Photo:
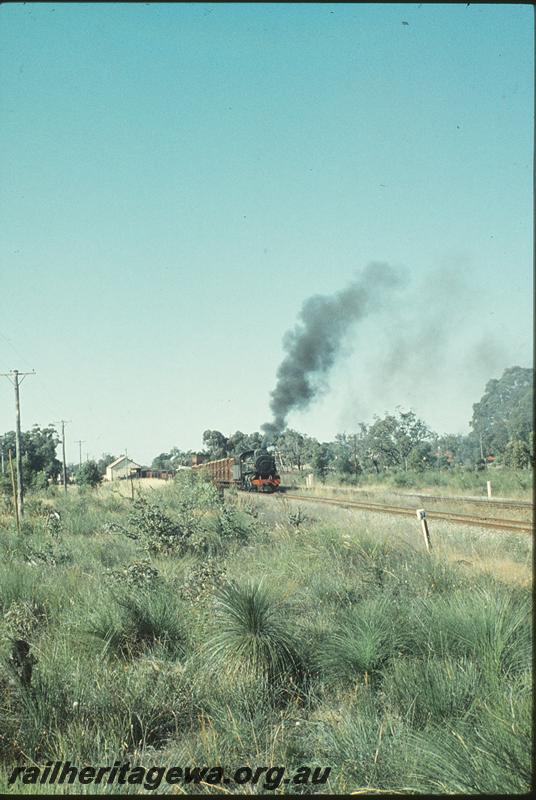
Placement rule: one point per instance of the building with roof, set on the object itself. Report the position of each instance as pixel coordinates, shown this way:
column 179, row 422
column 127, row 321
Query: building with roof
column 122, row 467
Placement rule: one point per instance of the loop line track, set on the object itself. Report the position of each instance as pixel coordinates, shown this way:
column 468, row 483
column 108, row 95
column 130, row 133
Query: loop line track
column 463, row 519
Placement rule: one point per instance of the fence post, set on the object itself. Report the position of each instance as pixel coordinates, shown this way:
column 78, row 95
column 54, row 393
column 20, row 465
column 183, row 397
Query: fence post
column 489, row 489
column 421, row 514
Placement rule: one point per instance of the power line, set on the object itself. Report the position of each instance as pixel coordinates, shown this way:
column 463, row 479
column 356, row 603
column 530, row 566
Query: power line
column 16, row 379
column 44, row 385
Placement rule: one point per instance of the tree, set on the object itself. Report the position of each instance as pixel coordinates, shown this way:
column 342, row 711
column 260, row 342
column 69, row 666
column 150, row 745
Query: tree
column 216, row 444
column 517, row 454
column 171, row 460
column 240, row 442
column 296, row 448
column 521, row 422
column 162, row 461
column 322, row 458
column 391, row 440
column 413, row 435
column 39, row 462
column 421, row 457
column 456, row 449
column 504, row 413
column 89, row 474
column 349, row 453
column 105, row 460
column 381, row 442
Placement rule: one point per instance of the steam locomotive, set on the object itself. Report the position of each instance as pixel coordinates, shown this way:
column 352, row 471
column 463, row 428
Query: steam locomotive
column 251, row 471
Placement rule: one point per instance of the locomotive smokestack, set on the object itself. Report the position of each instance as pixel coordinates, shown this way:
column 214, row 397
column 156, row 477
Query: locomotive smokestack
column 314, row 344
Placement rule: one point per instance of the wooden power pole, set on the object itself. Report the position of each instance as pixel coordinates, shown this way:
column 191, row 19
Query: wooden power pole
column 16, row 379
column 80, row 442
column 63, row 423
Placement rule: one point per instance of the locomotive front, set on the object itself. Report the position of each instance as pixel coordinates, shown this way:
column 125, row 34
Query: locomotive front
column 259, row 471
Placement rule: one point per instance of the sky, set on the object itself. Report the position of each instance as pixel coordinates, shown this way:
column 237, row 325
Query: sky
column 177, row 179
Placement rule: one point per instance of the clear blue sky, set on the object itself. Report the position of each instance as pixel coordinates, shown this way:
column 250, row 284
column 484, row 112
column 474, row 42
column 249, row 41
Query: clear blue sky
column 175, row 180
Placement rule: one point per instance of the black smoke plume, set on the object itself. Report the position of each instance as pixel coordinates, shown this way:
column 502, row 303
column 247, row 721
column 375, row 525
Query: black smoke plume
column 314, row 344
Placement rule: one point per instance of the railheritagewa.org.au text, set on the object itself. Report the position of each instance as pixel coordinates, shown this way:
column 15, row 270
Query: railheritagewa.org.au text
column 122, row 773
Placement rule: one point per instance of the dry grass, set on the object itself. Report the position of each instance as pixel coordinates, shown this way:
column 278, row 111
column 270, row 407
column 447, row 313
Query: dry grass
column 505, row 569
column 124, row 487
column 507, row 556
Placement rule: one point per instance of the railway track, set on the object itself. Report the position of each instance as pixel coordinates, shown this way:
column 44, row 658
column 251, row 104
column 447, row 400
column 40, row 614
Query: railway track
column 490, row 502
column 521, row 526
column 484, row 501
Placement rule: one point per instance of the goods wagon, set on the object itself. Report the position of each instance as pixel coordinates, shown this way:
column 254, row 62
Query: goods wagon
column 252, row 471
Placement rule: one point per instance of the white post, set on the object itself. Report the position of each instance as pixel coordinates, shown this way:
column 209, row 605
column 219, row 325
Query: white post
column 489, row 489
column 421, row 514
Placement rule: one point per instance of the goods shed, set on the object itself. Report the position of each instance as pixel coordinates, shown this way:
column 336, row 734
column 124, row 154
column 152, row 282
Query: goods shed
column 122, row 467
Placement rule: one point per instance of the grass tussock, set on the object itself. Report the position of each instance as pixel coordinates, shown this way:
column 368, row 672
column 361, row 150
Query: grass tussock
column 252, row 642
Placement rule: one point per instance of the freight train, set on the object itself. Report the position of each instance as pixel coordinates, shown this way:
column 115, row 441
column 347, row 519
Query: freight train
column 252, row 471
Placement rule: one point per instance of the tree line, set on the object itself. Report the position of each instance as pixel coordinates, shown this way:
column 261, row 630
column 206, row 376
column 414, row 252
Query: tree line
column 501, row 431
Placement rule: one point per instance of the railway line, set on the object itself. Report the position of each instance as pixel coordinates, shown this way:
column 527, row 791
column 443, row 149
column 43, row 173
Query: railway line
column 521, row 526
column 490, row 502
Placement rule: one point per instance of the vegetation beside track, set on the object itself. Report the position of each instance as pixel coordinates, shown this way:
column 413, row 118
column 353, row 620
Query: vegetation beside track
column 513, row 484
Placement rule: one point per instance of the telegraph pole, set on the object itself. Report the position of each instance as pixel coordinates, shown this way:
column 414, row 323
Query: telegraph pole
column 63, row 423
column 2, row 455
column 16, row 379
column 80, row 442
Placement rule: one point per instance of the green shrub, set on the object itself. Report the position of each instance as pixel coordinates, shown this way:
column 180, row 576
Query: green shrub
column 156, row 529
column 203, row 578
column 89, row 475
column 139, row 574
column 207, row 541
column 192, row 498
column 233, row 524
